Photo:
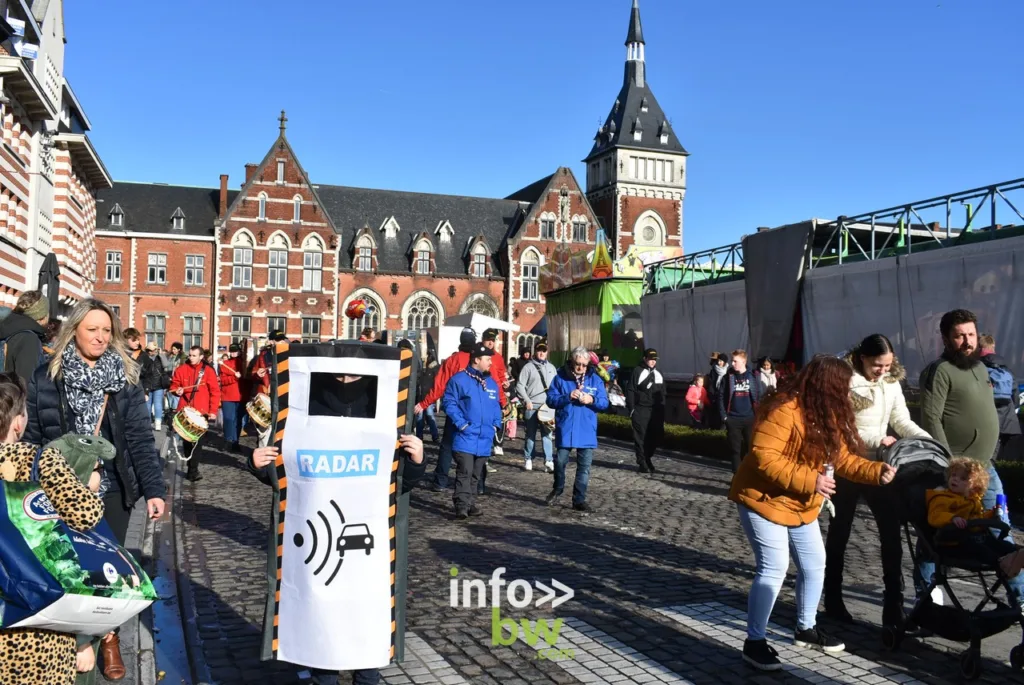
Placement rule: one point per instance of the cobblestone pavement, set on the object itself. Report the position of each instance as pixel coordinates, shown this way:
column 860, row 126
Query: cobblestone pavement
column 660, row 572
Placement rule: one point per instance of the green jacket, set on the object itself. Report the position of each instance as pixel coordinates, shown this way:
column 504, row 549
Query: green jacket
column 958, row 409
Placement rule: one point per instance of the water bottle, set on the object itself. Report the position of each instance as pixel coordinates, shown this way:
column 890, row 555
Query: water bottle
column 1001, row 509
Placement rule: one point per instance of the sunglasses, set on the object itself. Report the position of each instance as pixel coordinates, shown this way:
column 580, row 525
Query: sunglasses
column 580, row 365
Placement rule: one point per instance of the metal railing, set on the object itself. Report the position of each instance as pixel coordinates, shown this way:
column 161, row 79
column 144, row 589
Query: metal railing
column 700, row 268
column 861, row 234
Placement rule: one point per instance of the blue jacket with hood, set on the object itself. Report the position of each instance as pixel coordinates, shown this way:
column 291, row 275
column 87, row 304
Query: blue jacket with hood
column 576, row 423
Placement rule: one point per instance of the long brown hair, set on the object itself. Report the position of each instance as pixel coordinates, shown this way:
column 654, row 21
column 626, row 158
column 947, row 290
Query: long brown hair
column 822, row 392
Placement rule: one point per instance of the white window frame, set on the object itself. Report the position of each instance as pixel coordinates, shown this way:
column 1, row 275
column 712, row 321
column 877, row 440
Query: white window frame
column 364, row 258
column 478, row 266
column 116, row 219
column 280, row 172
column 422, row 262
column 113, row 263
column 178, row 223
column 312, row 271
column 156, row 271
column 195, row 267
column 190, row 335
column 241, row 272
column 262, row 216
column 531, row 285
column 309, row 323
column 277, row 271
column 297, row 210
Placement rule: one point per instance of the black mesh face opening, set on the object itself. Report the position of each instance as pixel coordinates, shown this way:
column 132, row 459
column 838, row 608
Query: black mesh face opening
column 342, row 395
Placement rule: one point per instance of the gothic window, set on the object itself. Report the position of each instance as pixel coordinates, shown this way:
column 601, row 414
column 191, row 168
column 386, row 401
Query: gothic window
column 364, row 254
column 422, row 314
column 241, row 258
column 421, row 261
column 371, row 318
column 480, row 303
column 649, row 230
column 277, row 273
column 531, row 277
column 579, row 231
column 263, row 206
column 297, row 209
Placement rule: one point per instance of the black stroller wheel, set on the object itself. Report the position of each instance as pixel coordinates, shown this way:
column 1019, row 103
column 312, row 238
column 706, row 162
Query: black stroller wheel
column 1017, row 658
column 970, row 664
column 892, row 637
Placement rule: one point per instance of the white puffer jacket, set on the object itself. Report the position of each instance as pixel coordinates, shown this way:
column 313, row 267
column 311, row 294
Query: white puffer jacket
column 880, row 404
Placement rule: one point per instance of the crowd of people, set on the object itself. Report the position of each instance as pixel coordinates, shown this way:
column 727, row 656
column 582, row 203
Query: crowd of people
column 800, row 443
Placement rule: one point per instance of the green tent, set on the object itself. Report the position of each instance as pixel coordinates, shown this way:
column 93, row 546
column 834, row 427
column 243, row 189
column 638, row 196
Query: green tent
column 597, row 314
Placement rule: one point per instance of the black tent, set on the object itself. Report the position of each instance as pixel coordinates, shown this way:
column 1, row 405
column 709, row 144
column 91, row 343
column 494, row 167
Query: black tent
column 49, row 283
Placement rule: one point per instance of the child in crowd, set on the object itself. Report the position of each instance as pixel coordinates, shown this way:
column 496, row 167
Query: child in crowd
column 33, row 655
column 697, row 399
column 960, row 502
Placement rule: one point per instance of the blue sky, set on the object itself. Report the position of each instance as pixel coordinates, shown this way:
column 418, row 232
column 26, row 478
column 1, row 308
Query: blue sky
column 790, row 109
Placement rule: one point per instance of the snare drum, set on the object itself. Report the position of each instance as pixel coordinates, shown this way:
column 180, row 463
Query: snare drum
column 190, row 424
column 258, row 410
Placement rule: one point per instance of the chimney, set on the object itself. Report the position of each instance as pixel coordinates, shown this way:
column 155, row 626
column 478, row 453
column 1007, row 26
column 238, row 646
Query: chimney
column 223, row 196
column 762, row 229
column 250, row 171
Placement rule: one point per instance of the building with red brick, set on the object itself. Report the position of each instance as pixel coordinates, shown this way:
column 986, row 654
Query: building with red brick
column 210, row 265
column 49, row 170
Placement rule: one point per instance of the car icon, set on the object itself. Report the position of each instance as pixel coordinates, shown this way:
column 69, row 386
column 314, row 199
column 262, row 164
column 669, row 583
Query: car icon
column 355, row 536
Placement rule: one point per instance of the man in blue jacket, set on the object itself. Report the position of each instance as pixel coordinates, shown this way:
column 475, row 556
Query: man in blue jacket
column 473, row 409
column 577, row 394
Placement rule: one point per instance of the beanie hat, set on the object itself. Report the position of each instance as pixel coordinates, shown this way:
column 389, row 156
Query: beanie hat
column 40, row 310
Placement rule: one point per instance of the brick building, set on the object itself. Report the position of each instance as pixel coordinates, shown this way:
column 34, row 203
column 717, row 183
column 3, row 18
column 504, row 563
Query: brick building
column 214, row 265
column 49, row 170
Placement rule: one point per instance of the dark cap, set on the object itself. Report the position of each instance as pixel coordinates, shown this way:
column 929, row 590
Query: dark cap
column 650, row 353
column 481, row 350
column 278, row 336
column 540, row 347
column 233, row 347
column 490, row 334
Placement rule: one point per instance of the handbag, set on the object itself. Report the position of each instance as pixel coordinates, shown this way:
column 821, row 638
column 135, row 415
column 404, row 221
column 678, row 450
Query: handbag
column 56, row 578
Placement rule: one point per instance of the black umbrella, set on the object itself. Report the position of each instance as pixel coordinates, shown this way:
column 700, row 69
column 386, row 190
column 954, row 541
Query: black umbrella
column 49, row 283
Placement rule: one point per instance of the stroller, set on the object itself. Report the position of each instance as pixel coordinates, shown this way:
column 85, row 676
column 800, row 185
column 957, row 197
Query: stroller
column 922, row 466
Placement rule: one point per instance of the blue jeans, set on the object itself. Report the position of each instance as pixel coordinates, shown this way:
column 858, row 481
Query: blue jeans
column 155, row 404
column 231, row 426
column 772, row 544
column 444, row 455
column 426, row 417
column 926, row 568
column 584, row 458
column 365, row 676
column 532, row 426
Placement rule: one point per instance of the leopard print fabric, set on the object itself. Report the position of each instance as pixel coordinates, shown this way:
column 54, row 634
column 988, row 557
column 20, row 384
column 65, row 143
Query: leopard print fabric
column 30, row 656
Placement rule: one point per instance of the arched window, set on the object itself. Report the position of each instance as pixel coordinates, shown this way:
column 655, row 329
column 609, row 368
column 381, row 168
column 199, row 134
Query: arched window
column 649, row 230
column 263, row 206
column 478, row 263
column 241, row 259
column 421, row 257
column 422, row 314
column 313, row 264
column 479, row 303
column 371, row 319
column 277, row 271
column 531, row 276
column 364, row 254
column 297, row 211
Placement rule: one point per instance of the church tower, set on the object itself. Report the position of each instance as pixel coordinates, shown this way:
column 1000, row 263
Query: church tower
column 636, row 171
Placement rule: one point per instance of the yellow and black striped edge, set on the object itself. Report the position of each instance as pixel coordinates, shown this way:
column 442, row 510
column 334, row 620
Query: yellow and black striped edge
column 404, row 379
column 280, row 390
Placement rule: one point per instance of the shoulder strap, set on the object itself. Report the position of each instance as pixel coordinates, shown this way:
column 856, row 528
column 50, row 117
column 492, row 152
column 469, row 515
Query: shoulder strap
column 103, row 410
column 34, row 475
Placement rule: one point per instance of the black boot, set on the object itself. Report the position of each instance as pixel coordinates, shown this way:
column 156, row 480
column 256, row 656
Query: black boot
column 892, row 610
column 835, row 607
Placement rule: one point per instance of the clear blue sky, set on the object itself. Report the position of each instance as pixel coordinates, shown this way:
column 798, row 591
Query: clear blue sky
column 790, row 109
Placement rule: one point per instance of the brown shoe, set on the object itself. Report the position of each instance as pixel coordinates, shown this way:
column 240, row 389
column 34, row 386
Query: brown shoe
column 110, row 651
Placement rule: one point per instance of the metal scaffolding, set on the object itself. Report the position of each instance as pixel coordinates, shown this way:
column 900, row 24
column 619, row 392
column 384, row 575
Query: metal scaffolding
column 700, row 268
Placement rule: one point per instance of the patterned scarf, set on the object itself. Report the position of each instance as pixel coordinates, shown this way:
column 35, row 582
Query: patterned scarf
column 87, row 385
column 478, row 376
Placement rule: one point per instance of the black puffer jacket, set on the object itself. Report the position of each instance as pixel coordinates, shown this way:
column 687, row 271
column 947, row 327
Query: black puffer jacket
column 151, row 372
column 126, row 424
column 23, row 351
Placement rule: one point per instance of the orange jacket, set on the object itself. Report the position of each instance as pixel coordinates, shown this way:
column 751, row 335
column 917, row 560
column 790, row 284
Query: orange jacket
column 945, row 505
column 777, row 482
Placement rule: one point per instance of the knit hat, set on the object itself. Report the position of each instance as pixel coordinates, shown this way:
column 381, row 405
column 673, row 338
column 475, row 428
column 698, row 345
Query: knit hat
column 81, row 452
column 40, row 310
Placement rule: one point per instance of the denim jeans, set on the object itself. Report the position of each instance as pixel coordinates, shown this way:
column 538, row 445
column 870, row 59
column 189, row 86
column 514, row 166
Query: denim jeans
column 772, row 544
column 426, row 417
column 926, row 568
column 155, row 404
column 230, row 411
column 365, row 676
column 532, row 426
column 444, row 455
column 584, row 458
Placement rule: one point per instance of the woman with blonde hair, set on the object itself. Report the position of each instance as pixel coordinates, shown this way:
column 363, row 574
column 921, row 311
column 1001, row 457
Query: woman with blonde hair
column 91, row 387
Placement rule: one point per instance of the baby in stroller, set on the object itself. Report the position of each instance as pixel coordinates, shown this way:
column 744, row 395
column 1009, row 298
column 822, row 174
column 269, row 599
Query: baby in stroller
column 960, row 502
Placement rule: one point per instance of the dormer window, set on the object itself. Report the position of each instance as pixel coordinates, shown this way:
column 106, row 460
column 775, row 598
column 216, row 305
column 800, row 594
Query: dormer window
column 638, row 129
column 478, row 261
column 421, row 255
column 643, row 104
column 663, row 133
column 390, row 228
column 117, row 216
column 445, row 231
column 364, row 254
column 178, row 220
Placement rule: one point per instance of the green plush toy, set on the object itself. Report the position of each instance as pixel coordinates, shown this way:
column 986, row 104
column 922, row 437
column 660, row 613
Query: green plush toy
column 83, row 453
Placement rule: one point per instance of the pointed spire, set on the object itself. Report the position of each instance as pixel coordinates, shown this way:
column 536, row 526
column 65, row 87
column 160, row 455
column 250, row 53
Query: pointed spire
column 284, row 121
column 636, row 32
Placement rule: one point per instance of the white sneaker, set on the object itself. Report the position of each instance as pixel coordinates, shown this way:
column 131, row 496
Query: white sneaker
column 529, row 465
column 549, row 466
column 156, row 424
column 937, row 598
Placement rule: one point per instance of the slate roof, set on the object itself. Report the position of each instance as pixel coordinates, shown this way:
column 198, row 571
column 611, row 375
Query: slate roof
column 353, row 209
column 532, row 192
column 148, row 207
column 636, row 32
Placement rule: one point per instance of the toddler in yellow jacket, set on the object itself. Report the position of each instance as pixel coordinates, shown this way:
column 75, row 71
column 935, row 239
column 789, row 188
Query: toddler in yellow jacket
column 960, row 502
